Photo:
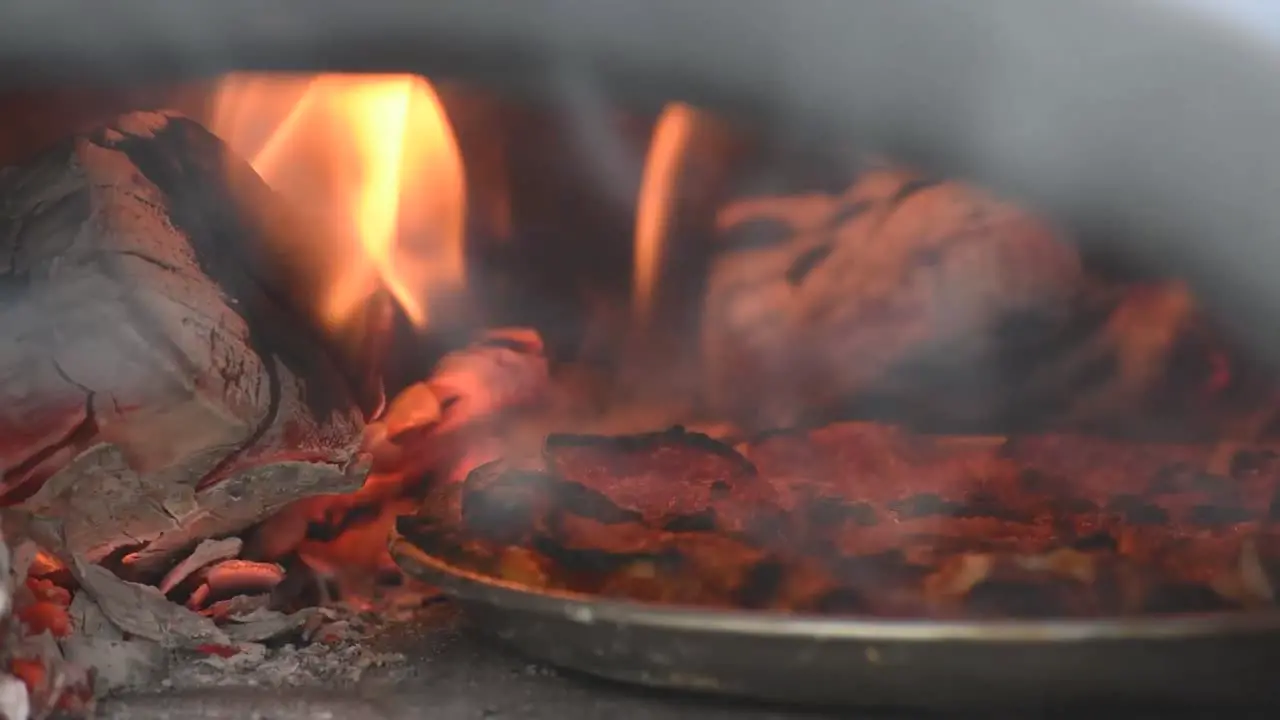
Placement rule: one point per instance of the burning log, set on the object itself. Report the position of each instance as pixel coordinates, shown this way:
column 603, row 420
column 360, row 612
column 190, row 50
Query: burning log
column 163, row 385
column 157, row 385
column 924, row 301
column 824, row 296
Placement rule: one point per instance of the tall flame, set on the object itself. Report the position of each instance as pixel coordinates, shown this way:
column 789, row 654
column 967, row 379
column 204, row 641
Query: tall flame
column 671, row 136
column 375, row 157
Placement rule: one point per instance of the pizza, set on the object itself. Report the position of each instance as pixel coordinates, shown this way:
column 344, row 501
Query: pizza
column 871, row 519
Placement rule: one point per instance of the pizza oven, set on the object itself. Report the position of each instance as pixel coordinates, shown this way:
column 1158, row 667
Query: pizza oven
column 861, row 356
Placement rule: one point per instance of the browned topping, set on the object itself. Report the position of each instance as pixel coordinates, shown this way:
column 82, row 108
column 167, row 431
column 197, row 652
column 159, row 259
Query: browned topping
column 871, row 519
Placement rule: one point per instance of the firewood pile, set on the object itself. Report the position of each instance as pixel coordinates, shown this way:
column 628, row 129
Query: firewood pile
column 165, row 393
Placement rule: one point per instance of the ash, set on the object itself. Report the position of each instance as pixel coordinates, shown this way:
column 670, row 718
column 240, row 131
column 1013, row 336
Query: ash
column 341, row 649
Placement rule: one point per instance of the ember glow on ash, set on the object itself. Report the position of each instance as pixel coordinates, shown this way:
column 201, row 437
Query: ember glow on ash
column 373, row 156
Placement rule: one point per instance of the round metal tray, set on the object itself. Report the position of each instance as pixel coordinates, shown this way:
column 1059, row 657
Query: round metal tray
column 1216, row 658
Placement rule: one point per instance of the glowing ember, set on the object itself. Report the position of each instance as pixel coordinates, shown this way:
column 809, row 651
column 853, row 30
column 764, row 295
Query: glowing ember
column 375, row 157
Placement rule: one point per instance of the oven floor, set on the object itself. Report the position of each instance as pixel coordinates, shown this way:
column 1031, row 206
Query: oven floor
column 450, row 674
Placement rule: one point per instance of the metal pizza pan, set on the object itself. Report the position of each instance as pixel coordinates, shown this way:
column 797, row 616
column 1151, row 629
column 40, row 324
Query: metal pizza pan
column 1208, row 659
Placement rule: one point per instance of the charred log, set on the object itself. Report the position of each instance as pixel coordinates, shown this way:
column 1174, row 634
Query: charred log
column 158, row 385
column 937, row 304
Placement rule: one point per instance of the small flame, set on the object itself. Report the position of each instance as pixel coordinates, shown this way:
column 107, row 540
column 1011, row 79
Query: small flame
column 671, row 136
column 375, row 157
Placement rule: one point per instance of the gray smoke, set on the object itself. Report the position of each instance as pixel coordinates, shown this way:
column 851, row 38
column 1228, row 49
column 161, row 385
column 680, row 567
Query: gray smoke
column 1149, row 123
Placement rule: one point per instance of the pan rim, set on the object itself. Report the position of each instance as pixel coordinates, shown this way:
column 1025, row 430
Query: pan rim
column 584, row 609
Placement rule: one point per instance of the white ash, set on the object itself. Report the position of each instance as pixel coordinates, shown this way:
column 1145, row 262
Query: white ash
column 143, row 611
column 14, row 703
column 9, row 568
column 88, row 619
column 117, row 664
column 330, row 648
column 133, row 637
column 262, row 624
column 338, row 649
column 330, row 666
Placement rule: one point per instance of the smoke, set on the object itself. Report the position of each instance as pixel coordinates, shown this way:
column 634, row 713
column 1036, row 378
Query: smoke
column 1149, row 124
column 1259, row 17
column 1145, row 126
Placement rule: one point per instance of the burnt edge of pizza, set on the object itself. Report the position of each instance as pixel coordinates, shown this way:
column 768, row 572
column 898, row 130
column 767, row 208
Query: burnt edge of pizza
column 873, row 520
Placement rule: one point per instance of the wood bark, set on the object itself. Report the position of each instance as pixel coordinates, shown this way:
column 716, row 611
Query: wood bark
column 158, row 383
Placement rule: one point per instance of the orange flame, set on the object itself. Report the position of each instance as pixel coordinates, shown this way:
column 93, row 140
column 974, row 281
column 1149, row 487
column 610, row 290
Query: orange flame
column 671, row 136
column 375, row 157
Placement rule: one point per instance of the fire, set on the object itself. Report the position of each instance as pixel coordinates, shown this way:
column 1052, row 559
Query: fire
column 359, row 144
column 375, row 158
column 671, row 137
